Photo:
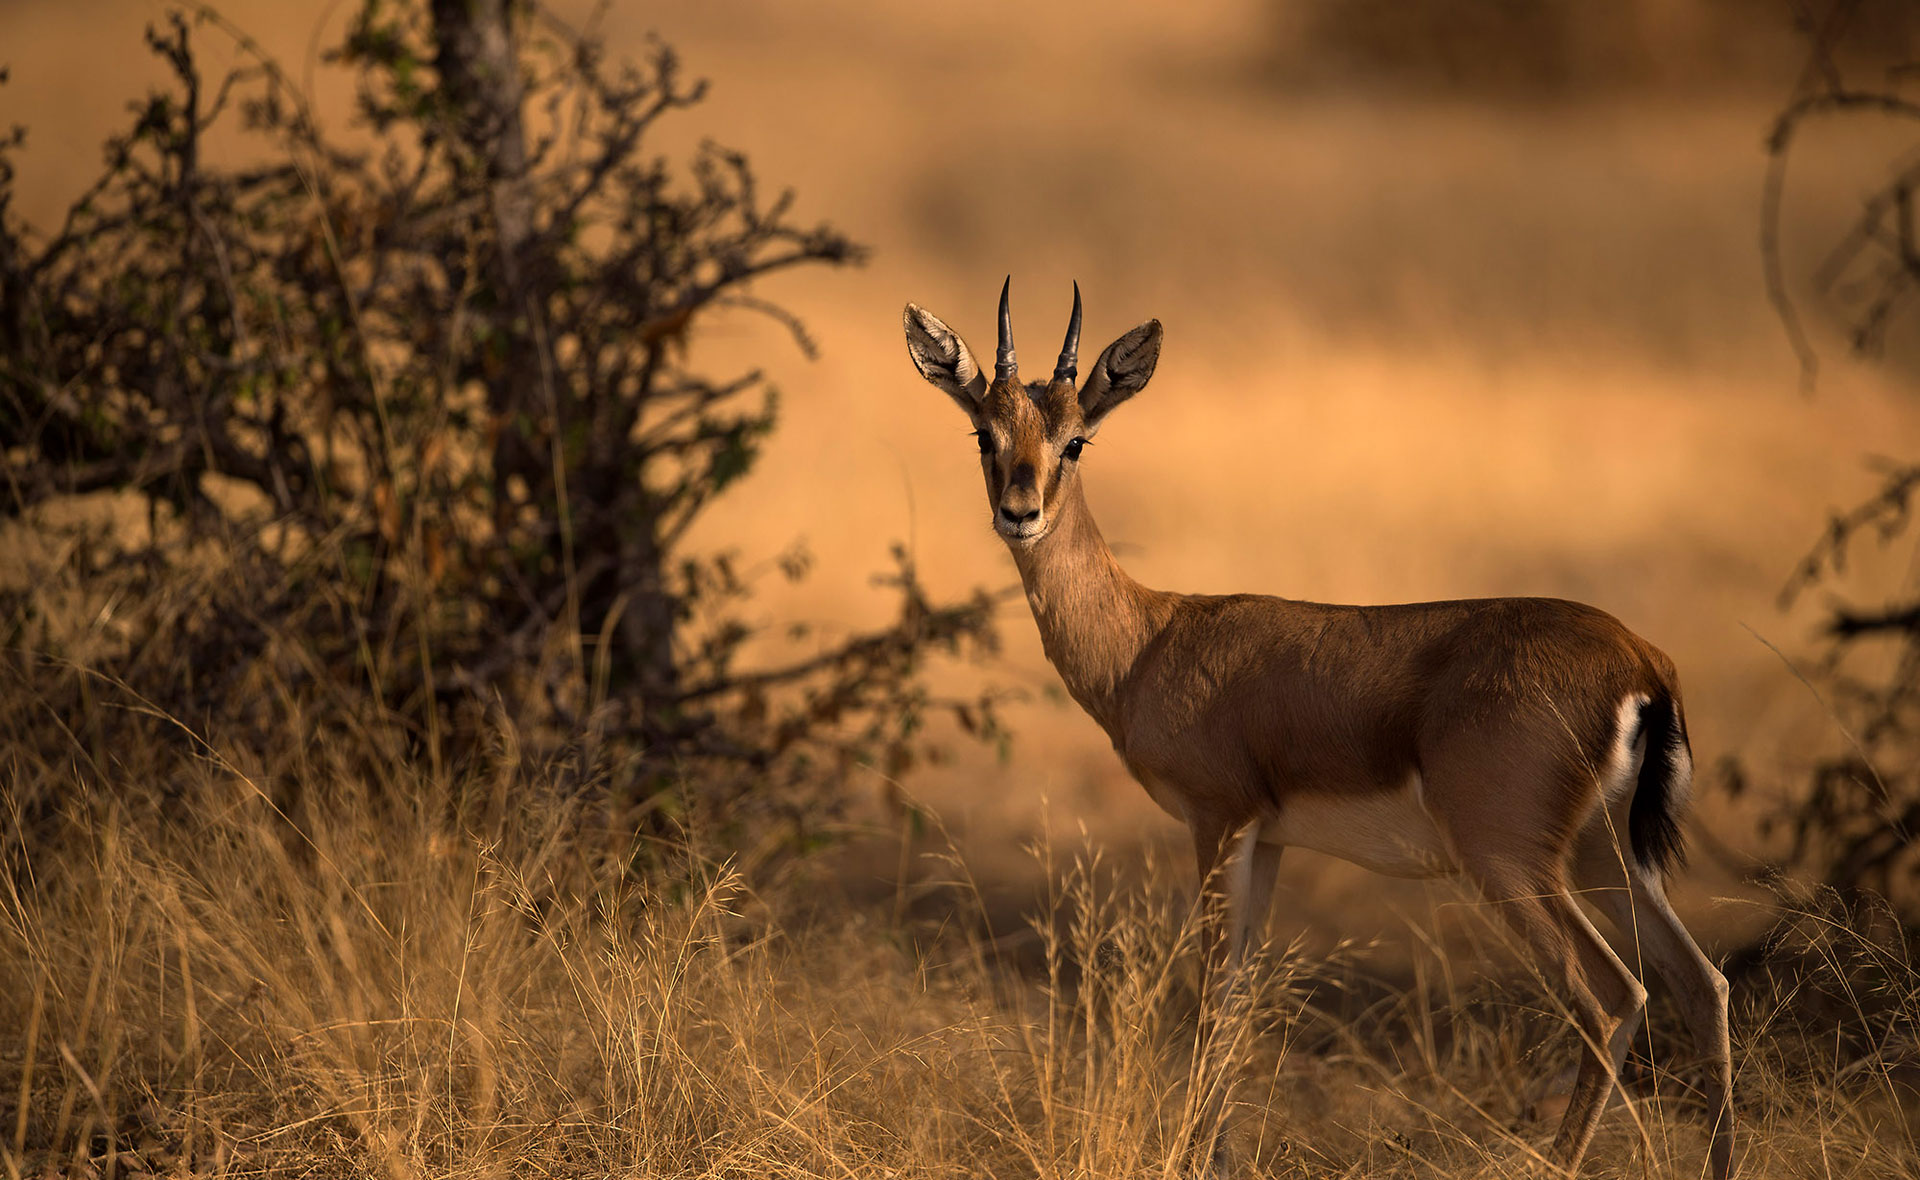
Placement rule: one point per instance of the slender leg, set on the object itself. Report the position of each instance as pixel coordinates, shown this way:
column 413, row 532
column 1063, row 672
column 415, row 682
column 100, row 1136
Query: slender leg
column 1239, row 883
column 1210, row 847
column 1625, row 1000
column 1635, row 901
column 1502, row 799
column 1260, row 866
column 1602, row 994
column 1246, row 880
column 1207, row 1143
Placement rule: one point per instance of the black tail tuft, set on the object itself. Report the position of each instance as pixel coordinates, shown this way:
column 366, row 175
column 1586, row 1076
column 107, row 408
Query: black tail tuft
column 1653, row 822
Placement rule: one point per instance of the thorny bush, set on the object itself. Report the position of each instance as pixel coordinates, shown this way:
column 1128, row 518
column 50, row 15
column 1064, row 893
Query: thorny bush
column 399, row 431
column 1850, row 828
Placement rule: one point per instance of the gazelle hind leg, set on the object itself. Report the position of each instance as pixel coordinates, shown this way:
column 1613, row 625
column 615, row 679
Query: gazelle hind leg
column 1503, row 816
column 1624, row 999
column 1635, row 901
column 1603, row 997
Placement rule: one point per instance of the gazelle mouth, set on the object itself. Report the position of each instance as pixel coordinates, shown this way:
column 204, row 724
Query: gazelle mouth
column 1029, row 530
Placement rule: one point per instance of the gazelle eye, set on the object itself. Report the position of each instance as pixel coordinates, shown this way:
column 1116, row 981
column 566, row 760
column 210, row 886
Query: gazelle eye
column 985, row 440
column 1072, row 453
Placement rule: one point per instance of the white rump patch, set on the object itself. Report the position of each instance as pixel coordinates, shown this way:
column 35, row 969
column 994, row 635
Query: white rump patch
column 1390, row 832
column 1629, row 749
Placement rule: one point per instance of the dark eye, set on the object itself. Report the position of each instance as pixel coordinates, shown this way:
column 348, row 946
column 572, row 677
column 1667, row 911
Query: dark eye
column 1072, row 453
column 986, row 441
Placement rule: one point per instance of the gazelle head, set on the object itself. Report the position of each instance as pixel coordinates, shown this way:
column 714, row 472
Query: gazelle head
column 1030, row 432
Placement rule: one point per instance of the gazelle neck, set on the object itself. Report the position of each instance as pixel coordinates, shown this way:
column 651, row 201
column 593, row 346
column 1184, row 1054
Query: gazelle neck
column 1094, row 620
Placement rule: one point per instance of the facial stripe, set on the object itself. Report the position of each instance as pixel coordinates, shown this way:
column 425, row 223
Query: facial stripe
column 1053, row 484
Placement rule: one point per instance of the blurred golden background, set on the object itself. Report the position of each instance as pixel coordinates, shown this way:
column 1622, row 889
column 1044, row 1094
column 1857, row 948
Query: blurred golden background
column 1453, row 309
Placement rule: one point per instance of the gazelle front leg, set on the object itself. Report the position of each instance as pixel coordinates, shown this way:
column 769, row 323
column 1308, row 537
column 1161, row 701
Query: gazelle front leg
column 1234, row 901
column 1256, row 870
column 1236, row 892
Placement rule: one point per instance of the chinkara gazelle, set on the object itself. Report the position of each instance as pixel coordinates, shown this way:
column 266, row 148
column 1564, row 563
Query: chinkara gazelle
column 1536, row 746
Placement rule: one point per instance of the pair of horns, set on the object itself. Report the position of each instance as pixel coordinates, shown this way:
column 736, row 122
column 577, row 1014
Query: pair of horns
column 1066, row 369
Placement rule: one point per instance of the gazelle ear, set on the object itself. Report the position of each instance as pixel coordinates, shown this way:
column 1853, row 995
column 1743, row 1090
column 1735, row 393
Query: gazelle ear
column 943, row 358
column 1122, row 371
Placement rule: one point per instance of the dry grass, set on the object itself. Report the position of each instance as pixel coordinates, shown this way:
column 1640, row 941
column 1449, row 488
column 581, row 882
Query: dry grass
column 415, row 972
column 404, row 976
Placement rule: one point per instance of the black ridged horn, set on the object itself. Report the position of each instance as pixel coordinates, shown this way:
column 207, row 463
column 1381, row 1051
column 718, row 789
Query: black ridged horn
column 1069, row 365
column 1004, row 366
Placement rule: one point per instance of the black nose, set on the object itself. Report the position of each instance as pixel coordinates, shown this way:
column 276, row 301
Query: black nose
column 1013, row 517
